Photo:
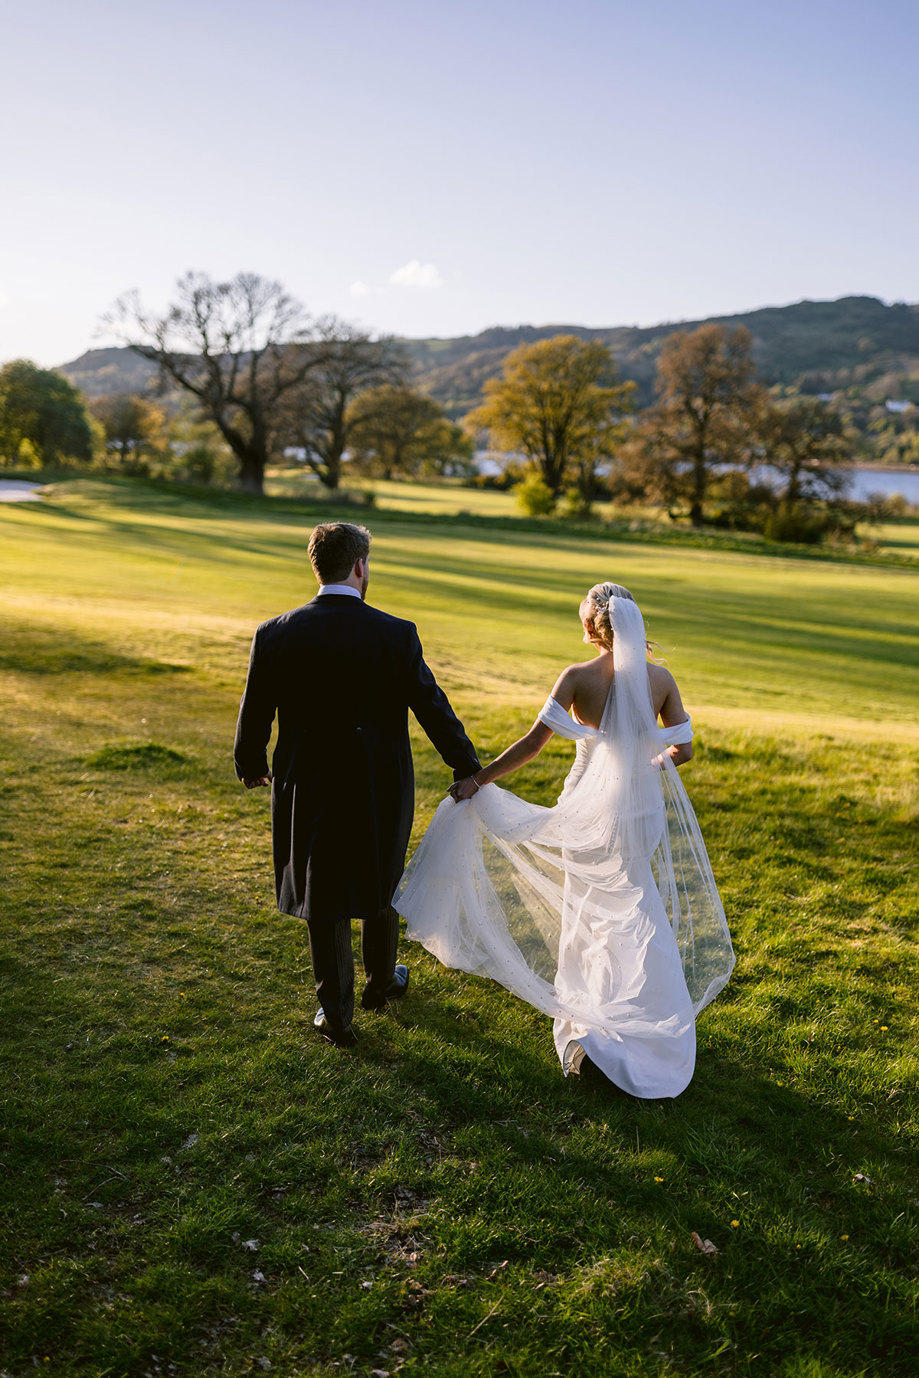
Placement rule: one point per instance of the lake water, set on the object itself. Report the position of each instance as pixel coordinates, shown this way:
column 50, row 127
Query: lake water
column 863, row 481
column 886, row 481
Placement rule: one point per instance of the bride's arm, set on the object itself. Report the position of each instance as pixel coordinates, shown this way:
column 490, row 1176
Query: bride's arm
column 671, row 712
column 520, row 752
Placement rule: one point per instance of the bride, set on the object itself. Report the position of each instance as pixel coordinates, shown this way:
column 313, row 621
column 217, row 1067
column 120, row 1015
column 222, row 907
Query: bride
column 602, row 910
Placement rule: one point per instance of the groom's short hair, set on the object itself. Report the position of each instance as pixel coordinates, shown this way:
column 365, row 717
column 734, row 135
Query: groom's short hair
column 335, row 548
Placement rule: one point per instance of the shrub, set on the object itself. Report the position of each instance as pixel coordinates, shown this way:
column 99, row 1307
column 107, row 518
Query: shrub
column 199, row 463
column 512, row 474
column 801, row 526
column 740, row 516
column 576, row 505
column 535, row 496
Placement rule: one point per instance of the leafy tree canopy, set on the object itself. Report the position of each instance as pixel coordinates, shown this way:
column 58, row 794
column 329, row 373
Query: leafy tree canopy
column 396, row 430
column 702, row 421
column 42, row 417
column 559, row 403
column 806, row 442
column 131, row 424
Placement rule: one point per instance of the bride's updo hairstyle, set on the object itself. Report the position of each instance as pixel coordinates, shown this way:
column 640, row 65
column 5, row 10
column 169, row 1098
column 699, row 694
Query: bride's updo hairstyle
column 597, row 615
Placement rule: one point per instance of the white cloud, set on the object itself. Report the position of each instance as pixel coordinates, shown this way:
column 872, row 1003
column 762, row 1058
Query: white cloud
column 415, row 274
column 359, row 289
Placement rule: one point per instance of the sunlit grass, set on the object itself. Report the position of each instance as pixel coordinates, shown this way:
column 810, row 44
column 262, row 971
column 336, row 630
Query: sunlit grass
column 447, row 497
column 189, row 1175
column 452, row 497
column 895, row 537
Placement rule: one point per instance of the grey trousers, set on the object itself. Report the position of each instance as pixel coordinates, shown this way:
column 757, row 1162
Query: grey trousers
column 333, row 962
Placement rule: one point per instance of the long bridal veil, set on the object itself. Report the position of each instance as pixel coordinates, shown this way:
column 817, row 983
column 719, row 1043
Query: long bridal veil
column 527, row 894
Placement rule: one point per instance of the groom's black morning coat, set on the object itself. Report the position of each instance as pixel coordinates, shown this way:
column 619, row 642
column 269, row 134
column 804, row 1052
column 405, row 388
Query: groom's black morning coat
column 341, row 677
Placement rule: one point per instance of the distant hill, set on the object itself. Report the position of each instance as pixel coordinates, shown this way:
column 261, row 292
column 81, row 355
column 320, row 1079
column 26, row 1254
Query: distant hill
column 856, row 344
column 823, row 346
column 99, row 372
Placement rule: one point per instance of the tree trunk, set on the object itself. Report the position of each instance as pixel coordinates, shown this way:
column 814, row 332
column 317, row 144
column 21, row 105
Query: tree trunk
column 252, row 456
column 586, row 483
column 696, row 515
column 793, row 490
column 251, row 471
column 337, row 441
column 553, row 472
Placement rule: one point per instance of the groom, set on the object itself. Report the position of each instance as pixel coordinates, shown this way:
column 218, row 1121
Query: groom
column 341, row 677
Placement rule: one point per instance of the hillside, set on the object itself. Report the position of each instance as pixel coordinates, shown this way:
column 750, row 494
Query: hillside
column 99, row 372
column 857, row 344
column 823, row 346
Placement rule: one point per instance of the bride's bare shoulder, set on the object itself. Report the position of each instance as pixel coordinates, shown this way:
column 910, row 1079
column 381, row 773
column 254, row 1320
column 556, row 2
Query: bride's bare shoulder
column 580, row 673
column 665, row 694
column 569, row 682
column 660, row 677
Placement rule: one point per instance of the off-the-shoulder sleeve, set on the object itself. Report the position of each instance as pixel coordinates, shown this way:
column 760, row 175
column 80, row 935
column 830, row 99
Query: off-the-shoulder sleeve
column 676, row 734
column 553, row 715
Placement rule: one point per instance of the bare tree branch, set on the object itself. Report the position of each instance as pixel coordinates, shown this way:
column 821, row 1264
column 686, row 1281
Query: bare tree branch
column 239, row 347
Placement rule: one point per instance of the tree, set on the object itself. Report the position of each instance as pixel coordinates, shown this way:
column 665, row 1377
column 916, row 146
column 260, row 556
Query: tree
column 558, row 403
column 806, row 443
column 131, row 424
column 395, row 430
column 42, row 416
column 318, row 419
column 701, row 423
column 241, row 348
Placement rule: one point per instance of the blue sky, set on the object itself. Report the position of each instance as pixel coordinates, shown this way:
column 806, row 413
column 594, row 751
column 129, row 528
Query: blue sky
column 432, row 168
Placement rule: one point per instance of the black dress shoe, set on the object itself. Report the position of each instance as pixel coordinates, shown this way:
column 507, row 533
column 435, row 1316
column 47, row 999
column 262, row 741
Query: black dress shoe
column 375, row 1000
column 342, row 1038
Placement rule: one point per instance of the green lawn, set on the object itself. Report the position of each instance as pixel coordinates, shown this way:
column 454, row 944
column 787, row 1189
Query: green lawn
column 450, row 497
column 447, row 497
column 899, row 537
column 194, row 1185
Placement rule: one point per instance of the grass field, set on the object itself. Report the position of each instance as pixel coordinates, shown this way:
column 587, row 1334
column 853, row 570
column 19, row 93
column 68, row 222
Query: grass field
column 194, row 1185
column 451, row 497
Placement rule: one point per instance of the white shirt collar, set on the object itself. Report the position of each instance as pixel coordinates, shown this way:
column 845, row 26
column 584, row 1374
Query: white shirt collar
column 348, row 589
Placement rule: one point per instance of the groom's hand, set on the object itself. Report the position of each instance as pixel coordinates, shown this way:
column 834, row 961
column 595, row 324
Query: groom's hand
column 463, row 789
column 262, row 781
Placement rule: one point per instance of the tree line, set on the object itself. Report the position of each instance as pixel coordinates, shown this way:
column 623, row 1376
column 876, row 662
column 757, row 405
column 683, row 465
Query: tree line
column 700, row 449
column 262, row 379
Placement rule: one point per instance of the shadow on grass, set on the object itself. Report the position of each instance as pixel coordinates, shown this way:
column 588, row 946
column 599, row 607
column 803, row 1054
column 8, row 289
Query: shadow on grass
column 201, row 502
column 451, row 1131
column 782, row 1183
column 33, row 649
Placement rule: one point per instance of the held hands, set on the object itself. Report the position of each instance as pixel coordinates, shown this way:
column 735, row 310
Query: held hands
column 263, row 781
column 463, row 789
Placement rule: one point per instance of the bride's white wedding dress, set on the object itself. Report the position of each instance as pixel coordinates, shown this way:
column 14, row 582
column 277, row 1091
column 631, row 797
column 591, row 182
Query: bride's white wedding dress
column 602, row 910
